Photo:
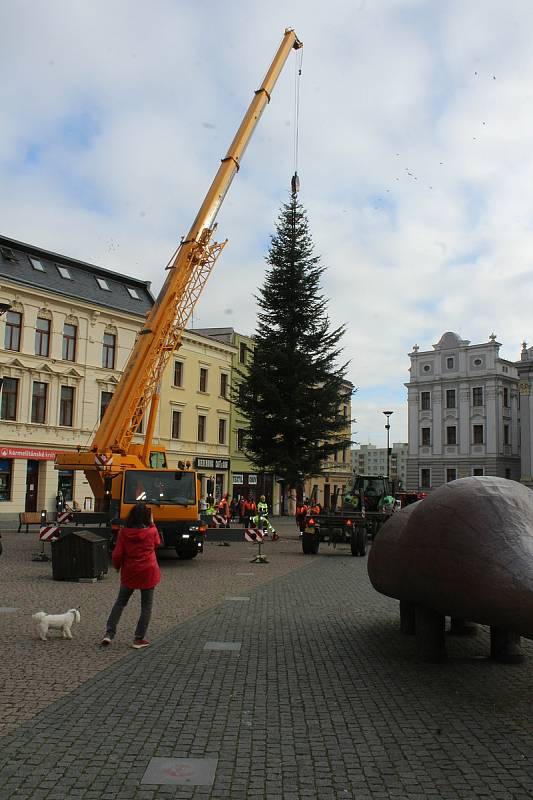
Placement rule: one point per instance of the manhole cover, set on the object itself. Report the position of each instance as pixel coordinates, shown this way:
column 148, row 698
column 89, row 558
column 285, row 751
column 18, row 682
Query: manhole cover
column 189, row 771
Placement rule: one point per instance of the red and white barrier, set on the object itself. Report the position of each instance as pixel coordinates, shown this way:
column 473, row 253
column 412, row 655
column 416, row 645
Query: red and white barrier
column 50, row 532
column 253, row 535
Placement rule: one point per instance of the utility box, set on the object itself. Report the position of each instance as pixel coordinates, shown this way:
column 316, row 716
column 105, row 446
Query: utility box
column 79, row 554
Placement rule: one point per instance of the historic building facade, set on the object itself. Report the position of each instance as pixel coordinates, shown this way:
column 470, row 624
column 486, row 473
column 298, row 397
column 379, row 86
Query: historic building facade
column 245, row 480
column 463, row 413
column 194, row 420
column 66, row 332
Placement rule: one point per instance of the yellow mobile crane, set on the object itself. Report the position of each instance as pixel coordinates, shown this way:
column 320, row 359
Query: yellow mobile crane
column 119, row 471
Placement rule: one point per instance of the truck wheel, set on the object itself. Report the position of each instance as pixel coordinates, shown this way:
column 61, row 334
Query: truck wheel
column 310, row 544
column 186, row 552
column 362, row 541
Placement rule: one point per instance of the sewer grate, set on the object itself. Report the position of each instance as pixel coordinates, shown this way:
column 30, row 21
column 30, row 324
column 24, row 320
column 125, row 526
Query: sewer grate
column 245, row 573
column 189, row 771
column 238, row 599
column 7, row 610
column 236, row 646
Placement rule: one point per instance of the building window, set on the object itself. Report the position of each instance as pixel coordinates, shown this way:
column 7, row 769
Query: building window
column 505, row 397
column 63, row 271
column 451, row 474
column 42, row 337
column 109, row 347
column 69, row 342
column 508, row 473
column 450, row 362
column 203, row 379
column 240, row 438
column 178, row 373
column 36, row 264
column 105, row 399
column 133, row 293
column 201, row 427
column 450, row 398
column 222, row 431
column 426, row 437
column 176, row 425
column 13, row 330
column 451, row 434
column 66, row 406
column 242, row 353
column 38, row 402
column 6, row 467
column 425, row 401
column 103, row 284
column 223, row 384
column 8, row 408
column 477, row 396
column 478, row 434
column 65, row 484
column 478, row 471
column 506, row 434
column 425, row 478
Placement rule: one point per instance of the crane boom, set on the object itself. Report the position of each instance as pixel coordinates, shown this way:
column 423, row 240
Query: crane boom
column 188, row 272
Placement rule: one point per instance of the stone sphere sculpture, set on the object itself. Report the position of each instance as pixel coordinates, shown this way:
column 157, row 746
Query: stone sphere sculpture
column 466, row 551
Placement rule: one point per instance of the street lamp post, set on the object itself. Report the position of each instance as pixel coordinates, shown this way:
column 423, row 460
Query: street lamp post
column 387, row 428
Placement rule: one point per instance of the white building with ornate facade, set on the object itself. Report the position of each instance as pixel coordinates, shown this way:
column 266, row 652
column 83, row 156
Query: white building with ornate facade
column 463, row 413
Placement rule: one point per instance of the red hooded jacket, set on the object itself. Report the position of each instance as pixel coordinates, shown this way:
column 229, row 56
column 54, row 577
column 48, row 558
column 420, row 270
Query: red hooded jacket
column 134, row 555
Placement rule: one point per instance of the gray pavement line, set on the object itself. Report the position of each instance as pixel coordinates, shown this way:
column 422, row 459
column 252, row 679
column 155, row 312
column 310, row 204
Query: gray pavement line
column 123, row 663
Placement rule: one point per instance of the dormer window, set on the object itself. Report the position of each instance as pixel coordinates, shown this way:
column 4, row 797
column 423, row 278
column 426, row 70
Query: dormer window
column 133, row 293
column 63, row 271
column 36, row 264
column 103, row 284
column 8, row 254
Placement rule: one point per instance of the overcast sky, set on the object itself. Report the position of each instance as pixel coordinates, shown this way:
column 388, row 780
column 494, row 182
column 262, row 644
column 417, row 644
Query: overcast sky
column 415, row 160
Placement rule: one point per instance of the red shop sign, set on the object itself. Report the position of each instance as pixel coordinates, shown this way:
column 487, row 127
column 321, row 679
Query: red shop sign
column 33, row 454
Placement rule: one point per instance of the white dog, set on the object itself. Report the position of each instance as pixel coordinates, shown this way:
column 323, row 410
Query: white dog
column 62, row 621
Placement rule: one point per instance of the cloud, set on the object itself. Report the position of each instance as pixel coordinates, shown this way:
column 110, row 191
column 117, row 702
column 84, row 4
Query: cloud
column 415, row 158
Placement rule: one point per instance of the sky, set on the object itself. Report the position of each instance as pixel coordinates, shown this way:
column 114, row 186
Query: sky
column 415, row 159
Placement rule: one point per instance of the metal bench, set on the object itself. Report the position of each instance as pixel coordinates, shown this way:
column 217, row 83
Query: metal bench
column 28, row 518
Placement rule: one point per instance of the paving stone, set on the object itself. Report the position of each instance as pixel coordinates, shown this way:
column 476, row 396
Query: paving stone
column 326, row 700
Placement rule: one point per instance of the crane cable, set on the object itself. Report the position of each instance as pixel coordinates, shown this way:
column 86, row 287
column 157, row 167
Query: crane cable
column 295, row 182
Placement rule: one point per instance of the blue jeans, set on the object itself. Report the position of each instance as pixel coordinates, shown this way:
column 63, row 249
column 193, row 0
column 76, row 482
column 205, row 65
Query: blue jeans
column 147, row 599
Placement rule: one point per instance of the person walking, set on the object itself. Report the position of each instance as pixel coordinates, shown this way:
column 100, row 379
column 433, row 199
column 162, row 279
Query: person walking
column 134, row 555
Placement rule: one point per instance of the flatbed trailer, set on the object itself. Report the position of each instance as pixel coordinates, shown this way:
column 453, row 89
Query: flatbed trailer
column 342, row 528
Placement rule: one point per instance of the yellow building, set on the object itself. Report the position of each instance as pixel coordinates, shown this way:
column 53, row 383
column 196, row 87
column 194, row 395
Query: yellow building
column 194, row 421
column 329, row 489
column 66, row 332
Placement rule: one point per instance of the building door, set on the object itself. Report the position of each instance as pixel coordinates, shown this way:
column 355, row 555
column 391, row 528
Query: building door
column 32, row 485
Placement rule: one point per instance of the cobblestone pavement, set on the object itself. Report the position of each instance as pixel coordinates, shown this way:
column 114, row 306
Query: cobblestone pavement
column 324, row 699
column 35, row 673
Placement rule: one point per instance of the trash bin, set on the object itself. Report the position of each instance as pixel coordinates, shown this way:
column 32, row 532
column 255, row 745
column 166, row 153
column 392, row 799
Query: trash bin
column 79, row 554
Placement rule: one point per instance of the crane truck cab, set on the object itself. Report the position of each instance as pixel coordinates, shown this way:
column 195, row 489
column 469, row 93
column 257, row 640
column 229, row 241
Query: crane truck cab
column 173, row 497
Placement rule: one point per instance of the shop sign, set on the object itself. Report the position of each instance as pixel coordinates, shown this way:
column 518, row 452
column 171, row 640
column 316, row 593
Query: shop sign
column 27, row 452
column 211, row 463
column 252, row 479
column 238, row 479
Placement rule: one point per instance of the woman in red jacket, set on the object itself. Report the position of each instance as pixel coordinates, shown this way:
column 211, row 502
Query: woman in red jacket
column 134, row 556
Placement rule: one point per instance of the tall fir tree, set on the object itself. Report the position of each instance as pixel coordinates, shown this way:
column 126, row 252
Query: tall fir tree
column 292, row 394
